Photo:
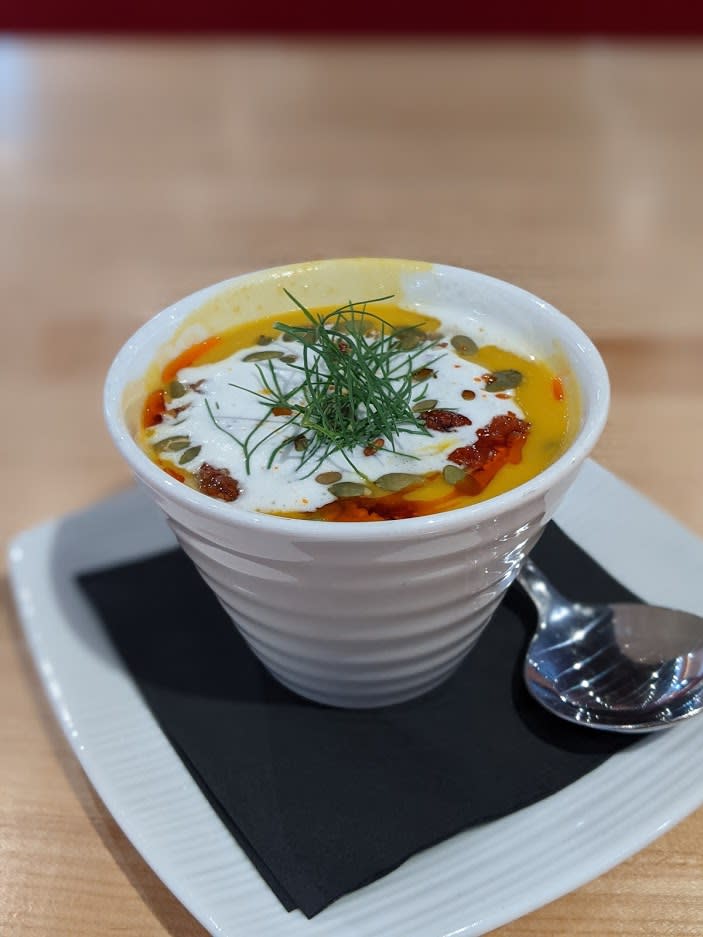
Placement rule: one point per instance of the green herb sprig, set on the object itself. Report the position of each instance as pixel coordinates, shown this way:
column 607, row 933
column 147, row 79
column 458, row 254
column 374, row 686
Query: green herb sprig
column 356, row 386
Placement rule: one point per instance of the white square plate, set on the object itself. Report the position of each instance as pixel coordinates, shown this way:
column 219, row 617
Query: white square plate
column 469, row 884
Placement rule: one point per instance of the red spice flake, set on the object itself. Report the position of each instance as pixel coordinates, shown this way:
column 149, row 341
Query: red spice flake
column 281, row 411
column 218, row 483
column 373, row 447
column 557, row 388
column 468, row 394
column 188, row 357
column 154, row 409
column 503, row 396
column 442, row 344
column 198, row 384
column 174, row 411
column 496, row 445
column 343, row 346
column 488, row 379
column 443, row 421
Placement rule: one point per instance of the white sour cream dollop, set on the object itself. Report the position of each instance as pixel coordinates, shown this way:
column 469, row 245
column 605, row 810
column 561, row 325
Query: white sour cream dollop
column 217, row 409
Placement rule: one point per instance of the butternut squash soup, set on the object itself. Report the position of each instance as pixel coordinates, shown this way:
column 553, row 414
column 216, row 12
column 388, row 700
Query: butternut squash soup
column 368, row 412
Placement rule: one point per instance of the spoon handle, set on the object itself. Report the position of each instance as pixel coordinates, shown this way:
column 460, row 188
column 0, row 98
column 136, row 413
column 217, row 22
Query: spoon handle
column 539, row 588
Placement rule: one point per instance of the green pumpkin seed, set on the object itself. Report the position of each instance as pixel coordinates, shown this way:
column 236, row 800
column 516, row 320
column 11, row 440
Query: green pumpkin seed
column 504, row 380
column 308, row 337
column 328, row 478
column 289, row 359
column 172, row 444
column 264, row 340
column 464, row 345
column 452, row 474
column 408, row 339
column 396, row 481
column 348, row 490
column 189, row 455
column 423, row 374
column 287, row 337
column 176, row 389
column 423, row 405
column 300, row 443
column 263, row 355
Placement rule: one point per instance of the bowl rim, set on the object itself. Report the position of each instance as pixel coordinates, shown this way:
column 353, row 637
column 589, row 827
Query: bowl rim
column 598, row 398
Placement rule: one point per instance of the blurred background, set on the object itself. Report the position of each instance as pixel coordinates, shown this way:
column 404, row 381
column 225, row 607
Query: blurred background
column 147, row 150
column 135, row 168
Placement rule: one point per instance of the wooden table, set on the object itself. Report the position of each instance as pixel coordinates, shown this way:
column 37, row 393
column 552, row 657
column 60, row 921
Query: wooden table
column 132, row 173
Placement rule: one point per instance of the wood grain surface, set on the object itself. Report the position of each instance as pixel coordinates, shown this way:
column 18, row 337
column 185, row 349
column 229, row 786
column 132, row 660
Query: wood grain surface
column 132, row 173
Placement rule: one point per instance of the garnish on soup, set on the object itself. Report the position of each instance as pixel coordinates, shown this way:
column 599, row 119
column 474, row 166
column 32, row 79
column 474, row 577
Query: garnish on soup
column 359, row 413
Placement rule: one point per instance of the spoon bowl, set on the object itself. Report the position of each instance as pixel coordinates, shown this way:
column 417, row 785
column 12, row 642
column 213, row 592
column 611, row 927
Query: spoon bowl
column 621, row 667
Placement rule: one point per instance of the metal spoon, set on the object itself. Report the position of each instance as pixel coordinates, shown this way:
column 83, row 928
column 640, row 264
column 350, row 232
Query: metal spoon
column 622, row 667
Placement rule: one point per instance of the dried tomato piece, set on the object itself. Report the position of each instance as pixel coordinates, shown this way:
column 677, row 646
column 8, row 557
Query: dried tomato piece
column 218, row 483
column 443, row 421
column 496, row 445
column 369, row 509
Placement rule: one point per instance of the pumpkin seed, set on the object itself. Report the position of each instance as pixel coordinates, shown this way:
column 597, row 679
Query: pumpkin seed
column 396, row 481
column 189, row 455
column 300, row 443
column 348, row 490
column 452, row 474
column 468, row 394
column 408, row 338
column 287, row 337
column 176, row 389
column 328, row 478
column 172, row 444
column 422, row 405
column 464, row 345
column 504, row 380
column 289, row 359
column 308, row 337
column 423, row 374
column 263, row 355
column 264, row 340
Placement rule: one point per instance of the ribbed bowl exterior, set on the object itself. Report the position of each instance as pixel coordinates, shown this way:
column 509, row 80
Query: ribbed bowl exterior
column 363, row 623
column 360, row 615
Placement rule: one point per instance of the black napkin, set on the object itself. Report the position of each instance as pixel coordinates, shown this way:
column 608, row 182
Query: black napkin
column 325, row 800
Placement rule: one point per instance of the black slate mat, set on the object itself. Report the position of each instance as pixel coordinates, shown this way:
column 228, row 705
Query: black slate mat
column 325, row 800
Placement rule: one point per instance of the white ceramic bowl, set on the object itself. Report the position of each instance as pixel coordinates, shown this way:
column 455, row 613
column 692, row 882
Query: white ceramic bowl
column 367, row 614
